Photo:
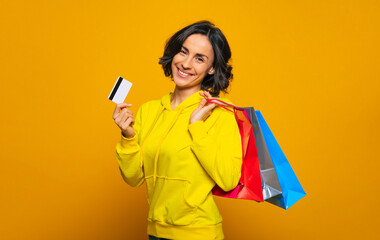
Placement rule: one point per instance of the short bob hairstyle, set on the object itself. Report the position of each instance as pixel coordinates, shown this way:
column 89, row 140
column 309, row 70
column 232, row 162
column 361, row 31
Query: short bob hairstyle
column 220, row 79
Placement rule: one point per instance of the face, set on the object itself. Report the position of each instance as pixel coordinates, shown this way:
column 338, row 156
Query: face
column 193, row 62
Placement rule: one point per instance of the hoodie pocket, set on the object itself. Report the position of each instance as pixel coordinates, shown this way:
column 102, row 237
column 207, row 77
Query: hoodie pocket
column 167, row 201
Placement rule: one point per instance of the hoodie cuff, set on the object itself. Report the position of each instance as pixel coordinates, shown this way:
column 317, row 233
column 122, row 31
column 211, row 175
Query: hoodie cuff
column 197, row 130
column 128, row 142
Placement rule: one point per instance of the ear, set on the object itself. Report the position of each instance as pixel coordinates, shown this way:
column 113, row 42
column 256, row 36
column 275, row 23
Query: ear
column 211, row 71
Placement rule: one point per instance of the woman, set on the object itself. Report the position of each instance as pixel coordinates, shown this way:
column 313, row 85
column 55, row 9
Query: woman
column 181, row 146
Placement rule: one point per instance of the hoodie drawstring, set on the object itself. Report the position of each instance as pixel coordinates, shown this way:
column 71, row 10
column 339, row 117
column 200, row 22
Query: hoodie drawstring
column 162, row 140
column 150, row 130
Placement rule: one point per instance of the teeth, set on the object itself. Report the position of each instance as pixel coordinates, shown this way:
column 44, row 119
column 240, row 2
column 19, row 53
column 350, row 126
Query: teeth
column 184, row 73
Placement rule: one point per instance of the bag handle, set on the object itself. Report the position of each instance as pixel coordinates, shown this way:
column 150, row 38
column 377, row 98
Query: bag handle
column 223, row 104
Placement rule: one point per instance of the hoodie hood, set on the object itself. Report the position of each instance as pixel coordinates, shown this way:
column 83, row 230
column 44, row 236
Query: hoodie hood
column 193, row 99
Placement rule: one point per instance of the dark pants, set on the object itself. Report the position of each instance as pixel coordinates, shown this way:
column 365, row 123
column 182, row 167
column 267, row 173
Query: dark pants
column 156, row 238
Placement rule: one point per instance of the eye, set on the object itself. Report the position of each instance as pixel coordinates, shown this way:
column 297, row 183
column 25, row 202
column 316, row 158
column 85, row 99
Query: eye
column 200, row 59
column 183, row 51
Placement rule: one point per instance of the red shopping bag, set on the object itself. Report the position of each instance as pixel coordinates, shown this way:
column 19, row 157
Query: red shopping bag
column 249, row 186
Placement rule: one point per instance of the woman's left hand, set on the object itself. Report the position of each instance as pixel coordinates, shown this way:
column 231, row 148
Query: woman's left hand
column 203, row 111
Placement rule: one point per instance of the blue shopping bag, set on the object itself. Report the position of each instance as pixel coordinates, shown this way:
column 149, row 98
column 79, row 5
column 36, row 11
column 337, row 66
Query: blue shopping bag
column 292, row 190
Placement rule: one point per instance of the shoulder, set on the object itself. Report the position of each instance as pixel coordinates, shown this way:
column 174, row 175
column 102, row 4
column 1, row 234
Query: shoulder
column 151, row 105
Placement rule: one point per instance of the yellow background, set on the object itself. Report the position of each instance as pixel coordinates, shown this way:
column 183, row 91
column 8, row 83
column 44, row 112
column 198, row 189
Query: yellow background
column 311, row 67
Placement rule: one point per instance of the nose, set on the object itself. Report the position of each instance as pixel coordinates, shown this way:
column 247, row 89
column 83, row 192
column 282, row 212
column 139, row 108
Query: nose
column 186, row 64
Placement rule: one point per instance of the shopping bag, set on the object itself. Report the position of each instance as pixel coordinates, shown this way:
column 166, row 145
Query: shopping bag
column 292, row 190
column 270, row 183
column 249, row 186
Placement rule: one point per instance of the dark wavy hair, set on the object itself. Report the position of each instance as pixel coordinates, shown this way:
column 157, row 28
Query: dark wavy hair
column 220, row 79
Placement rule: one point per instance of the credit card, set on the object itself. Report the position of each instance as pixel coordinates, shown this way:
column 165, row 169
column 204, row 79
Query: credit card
column 120, row 90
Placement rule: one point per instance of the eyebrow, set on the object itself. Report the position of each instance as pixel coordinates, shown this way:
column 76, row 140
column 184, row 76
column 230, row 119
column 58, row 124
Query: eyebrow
column 199, row 54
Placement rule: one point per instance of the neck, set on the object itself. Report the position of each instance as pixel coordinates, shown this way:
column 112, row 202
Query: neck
column 180, row 95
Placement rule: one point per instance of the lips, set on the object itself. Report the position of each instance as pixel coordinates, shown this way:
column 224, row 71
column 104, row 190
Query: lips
column 183, row 74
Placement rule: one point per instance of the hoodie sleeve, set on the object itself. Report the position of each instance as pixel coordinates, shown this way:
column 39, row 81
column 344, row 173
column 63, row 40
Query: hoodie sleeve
column 128, row 156
column 219, row 149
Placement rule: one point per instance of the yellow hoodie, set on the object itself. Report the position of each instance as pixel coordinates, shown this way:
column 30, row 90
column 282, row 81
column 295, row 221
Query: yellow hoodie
column 181, row 163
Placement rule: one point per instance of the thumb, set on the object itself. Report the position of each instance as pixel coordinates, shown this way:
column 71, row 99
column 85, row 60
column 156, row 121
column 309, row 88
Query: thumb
column 202, row 103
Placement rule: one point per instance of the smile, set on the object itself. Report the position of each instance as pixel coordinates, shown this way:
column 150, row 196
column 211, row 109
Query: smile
column 183, row 75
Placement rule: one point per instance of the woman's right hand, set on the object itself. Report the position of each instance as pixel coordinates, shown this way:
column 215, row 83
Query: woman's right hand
column 124, row 119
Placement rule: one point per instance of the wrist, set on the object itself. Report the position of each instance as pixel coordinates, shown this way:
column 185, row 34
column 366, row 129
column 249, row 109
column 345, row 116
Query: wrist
column 125, row 135
column 194, row 121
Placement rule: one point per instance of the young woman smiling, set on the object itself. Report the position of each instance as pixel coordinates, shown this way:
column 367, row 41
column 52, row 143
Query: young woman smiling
column 179, row 145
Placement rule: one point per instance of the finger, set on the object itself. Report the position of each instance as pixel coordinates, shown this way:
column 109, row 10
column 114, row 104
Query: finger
column 118, row 107
column 120, row 116
column 208, row 95
column 125, row 116
column 205, row 95
column 128, row 123
column 128, row 111
column 202, row 103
